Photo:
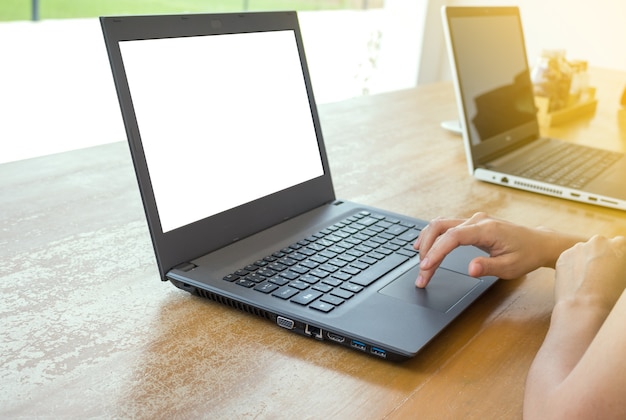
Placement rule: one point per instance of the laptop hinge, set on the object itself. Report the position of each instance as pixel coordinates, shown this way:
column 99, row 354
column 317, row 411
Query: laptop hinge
column 506, row 151
column 186, row 266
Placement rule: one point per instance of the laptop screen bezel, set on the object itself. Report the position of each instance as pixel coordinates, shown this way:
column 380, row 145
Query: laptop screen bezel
column 188, row 242
column 483, row 151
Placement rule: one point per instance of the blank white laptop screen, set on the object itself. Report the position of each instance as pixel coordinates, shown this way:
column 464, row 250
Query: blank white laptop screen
column 224, row 120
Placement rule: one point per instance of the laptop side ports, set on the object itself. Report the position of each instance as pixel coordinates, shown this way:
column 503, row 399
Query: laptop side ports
column 285, row 322
column 358, row 345
column 313, row 332
column 378, row 352
column 335, row 337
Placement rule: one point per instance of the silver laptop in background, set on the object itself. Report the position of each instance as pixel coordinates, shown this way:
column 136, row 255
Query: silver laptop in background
column 232, row 169
column 498, row 116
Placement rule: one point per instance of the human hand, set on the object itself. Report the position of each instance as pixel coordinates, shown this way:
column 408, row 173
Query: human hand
column 593, row 270
column 513, row 250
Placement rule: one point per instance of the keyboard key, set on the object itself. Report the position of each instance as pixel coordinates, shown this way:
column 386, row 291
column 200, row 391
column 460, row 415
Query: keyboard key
column 279, row 280
column 329, row 268
column 392, row 247
column 266, row 287
column 337, row 262
column 359, row 265
column 231, row 277
column 344, row 294
column 266, row 272
column 396, row 230
column 341, row 276
column 298, row 256
column 377, row 255
column 328, row 254
column 299, row 269
column 285, row 292
column 309, row 264
column 308, row 278
column 353, row 271
column 255, row 278
column 379, row 269
column 306, row 297
column 368, row 221
column 319, row 259
column 346, row 257
column 289, row 275
column 407, row 252
column 354, row 288
column 333, row 300
column 321, row 274
column 288, row 261
column 322, row 306
column 384, row 251
column 332, row 281
column 307, row 252
column 355, row 253
column 276, row 266
column 300, row 285
column 245, row 283
column 324, row 288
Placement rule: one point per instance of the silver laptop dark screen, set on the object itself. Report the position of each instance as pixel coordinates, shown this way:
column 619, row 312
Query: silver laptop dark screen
column 493, row 75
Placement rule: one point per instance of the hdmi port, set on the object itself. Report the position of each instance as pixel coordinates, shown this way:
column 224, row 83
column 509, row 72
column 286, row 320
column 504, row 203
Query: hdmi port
column 336, row 337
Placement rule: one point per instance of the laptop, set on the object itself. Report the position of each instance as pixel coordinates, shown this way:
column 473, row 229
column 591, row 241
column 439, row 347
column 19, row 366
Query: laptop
column 230, row 160
column 499, row 121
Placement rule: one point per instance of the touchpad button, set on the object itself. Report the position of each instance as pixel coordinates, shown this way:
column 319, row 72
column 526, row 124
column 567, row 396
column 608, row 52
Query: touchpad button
column 444, row 290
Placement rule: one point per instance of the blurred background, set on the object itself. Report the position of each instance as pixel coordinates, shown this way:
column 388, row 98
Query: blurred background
column 57, row 93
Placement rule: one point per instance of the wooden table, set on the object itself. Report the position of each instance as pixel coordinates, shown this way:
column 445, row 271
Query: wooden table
column 88, row 329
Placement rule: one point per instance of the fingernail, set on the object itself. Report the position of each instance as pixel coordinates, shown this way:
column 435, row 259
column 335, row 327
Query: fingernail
column 420, row 282
column 424, row 262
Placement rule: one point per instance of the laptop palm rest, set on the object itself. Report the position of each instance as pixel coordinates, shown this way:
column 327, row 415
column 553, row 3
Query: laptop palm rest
column 442, row 293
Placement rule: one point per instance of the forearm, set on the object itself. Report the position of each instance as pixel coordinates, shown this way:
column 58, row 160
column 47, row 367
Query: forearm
column 551, row 386
column 552, row 244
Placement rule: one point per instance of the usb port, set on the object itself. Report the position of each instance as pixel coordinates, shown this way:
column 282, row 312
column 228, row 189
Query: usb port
column 378, row 352
column 358, row 345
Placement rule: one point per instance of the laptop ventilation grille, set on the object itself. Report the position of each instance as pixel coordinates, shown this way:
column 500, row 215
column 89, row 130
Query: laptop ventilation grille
column 539, row 188
column 234, row 304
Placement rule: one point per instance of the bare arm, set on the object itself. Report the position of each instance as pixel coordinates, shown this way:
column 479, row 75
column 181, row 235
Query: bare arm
column 580, row 370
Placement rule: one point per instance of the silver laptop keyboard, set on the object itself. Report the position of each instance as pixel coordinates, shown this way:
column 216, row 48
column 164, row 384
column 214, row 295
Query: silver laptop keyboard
column 330, row 267
column 569, row 165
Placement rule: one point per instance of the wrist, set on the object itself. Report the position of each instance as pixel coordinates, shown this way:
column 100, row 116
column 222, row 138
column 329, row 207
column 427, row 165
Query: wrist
column 553, row 244
column 580, row 310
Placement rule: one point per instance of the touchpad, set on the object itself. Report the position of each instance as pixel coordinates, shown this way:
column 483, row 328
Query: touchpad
column 444, row 290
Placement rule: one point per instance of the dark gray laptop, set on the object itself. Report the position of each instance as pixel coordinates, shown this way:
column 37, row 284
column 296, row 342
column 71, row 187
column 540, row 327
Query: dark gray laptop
column 229, row 156
column 499, row 121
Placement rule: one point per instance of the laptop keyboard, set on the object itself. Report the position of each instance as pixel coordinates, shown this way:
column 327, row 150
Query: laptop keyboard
column 328, row 268
column 569, row 165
